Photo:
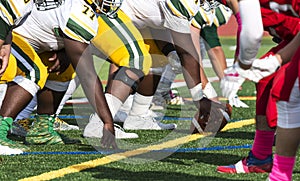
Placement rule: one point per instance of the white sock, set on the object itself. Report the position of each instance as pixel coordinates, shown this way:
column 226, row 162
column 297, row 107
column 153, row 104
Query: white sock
column 74, row 83
column 126, row 107
column 114, row 103
column 25, row 113
column 3, row 88
column 140, row 105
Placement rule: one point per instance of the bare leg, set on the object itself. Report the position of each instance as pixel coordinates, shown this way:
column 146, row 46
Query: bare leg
column 15, row 100
column 48, row 101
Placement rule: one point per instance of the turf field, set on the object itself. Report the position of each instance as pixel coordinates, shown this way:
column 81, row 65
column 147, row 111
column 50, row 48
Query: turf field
column 155, row 155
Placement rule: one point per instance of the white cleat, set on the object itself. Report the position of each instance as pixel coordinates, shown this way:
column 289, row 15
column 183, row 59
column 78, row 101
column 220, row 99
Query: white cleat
column 5, row 150
column 121, row 115
column 94, row 129
column 146, row 123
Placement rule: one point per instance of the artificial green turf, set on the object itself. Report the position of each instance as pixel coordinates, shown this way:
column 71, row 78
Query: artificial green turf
column 198, row 165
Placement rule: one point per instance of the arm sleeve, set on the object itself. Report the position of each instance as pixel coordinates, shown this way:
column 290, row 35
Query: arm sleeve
column 252, row 31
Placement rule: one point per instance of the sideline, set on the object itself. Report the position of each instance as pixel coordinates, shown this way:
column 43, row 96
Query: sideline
column 123, row 155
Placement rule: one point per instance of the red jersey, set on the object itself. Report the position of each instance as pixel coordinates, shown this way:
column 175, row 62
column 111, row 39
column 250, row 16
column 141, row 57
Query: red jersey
column 287, row 7
column 281, row 17
column 280, row 25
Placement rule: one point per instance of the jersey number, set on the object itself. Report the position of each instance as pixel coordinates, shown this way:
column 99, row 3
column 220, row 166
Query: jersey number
column 87, row 11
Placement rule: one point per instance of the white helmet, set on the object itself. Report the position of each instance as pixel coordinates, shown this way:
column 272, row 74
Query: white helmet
column 44, row 5
column 209, row 5
column 108, row 7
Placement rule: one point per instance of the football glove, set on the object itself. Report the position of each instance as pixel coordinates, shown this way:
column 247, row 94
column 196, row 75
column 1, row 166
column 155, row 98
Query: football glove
column 232, row 81
column 263, row 67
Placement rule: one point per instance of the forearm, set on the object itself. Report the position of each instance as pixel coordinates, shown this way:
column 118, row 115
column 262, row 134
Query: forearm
column 93, row 90
column 233, row 5
column 218, row 60
column 189, row 58
column 289, row 50
column 82, row 62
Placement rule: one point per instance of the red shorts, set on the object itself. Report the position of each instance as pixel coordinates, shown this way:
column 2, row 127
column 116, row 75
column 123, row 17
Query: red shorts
column 264, row 105
column 282, row 86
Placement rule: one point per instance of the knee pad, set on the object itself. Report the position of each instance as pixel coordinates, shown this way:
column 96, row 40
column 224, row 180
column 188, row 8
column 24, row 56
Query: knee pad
column 122, row 76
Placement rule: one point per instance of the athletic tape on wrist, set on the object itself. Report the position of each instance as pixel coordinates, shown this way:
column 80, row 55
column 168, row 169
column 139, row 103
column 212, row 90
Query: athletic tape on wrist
column 209, row 91
column 196, row 92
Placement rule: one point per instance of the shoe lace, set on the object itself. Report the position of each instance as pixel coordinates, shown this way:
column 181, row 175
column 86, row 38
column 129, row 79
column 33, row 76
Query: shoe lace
column 25, row 123
column 150, row 118
column 119, row 127
column 60, row 122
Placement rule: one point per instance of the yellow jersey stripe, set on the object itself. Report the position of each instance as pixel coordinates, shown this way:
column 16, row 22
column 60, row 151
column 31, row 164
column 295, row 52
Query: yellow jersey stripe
column 71, row 34
column 15, row 9
column 7, row 15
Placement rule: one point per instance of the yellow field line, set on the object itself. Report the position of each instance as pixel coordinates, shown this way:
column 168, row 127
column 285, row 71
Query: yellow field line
column 243, row 98
column 119, row 156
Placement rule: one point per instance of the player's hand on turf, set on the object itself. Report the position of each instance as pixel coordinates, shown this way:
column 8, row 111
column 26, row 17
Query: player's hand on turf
column 61, row 62
column 264, row 67
column 108, row 139
column 4, row 57
column 232, row 81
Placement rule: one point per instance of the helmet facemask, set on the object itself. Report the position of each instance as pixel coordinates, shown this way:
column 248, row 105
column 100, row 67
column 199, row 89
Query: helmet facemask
column 43, row 5
column 109, row 7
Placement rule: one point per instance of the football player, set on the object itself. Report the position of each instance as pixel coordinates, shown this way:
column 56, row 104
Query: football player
column 129, row 52
column 207, row 20
column 173, row 17
column 285, row 92
column 70, row 27
column 152, row 17
column 14, row 13
column 284, row 25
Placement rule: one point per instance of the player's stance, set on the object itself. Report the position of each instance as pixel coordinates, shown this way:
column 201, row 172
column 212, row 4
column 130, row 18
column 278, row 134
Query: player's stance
column 71, row 26
column 165, row 16
column 12, row 14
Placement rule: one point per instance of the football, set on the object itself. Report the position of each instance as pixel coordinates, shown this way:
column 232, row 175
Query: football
column 212, row 117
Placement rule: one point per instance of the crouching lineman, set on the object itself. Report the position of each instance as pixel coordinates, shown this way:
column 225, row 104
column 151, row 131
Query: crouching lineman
column 64, row 28
column 181, row 37
column 14, row 13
